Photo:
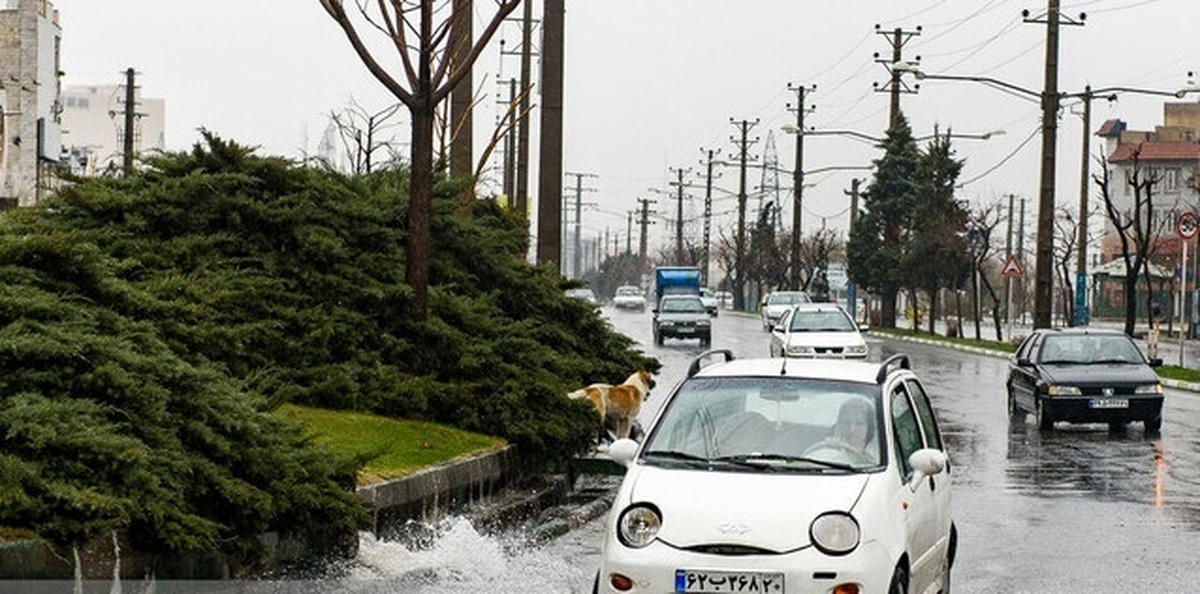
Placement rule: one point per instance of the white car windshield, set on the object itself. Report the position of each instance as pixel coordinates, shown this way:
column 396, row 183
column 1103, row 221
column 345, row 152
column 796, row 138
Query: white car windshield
column 769, row 424
column 821, row 321
column 683, row 305
column 1089, row 348
column 788, row 298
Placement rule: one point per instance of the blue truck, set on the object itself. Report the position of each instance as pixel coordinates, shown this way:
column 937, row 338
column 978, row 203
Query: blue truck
column 678, row 310
column 676, row 279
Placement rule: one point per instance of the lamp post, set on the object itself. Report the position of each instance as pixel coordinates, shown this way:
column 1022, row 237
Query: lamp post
column 1045, row 238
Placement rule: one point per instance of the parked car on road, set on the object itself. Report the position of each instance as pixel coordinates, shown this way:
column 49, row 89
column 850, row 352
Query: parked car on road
column 1084, row 375
column 778, row 302
column 817, row 330
column 629, row 297
column 784, row 475
column 710, row 302
column 584, row 294
column 682, row 316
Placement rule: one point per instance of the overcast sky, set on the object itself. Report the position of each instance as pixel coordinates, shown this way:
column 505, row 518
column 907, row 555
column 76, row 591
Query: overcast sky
column 650, row 83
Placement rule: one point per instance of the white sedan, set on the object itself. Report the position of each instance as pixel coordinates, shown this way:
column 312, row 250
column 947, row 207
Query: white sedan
column 784, row 475
column 822, row 330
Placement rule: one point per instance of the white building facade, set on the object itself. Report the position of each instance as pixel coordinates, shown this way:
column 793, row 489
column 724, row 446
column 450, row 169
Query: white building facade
column 30, row 130
column 93, row 124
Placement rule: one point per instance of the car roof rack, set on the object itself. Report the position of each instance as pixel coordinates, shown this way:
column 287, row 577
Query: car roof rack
column 694, row 367
column 898, row 360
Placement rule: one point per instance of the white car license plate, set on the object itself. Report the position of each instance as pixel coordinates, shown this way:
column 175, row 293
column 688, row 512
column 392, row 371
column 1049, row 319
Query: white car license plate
column 689, row 580
column 686, row 330
column 1109, row 403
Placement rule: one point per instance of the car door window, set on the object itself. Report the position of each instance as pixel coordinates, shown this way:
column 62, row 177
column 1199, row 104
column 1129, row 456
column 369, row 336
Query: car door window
column 906, row 429
column 933, row 437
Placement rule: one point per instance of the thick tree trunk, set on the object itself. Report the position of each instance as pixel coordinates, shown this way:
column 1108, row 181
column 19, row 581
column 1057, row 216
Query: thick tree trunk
column 418, row 244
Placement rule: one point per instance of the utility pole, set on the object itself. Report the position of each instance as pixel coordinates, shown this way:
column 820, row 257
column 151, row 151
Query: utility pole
column 1043, row 302
column 739, row 278
column 644, row 222
column 1082, row 315
column 510, row 147
column 1021, row 255
column 679, row 261
column 461, row 123
column 1007, row 278
column 522, row 165
column 130, row 114
column 577, row 253
column 629, row 232
column 550, row 169
column 851, row 288
column 896, row 85
column 797, row 186
column 708, row 181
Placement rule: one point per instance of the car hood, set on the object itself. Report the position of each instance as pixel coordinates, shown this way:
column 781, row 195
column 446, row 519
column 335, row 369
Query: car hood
column 767, row 510
column 683, row 316
column 1113, row 374
column 825, row 339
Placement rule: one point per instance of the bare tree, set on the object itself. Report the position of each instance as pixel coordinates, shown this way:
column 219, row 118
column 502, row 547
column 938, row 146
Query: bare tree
column 986, row 219
column 364, row 133
column 434, row 63
column 1065, row 237
column 1136, row 229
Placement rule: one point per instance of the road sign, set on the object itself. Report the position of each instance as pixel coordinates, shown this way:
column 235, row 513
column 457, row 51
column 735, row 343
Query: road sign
column 1186, row 225
column 1012, row 267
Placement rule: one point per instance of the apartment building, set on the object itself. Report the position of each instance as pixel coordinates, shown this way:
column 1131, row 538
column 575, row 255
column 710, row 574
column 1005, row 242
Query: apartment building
column 30, row 131
column 93, row 127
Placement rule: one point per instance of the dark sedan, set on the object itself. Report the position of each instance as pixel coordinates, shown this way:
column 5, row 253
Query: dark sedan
column 1084, row 375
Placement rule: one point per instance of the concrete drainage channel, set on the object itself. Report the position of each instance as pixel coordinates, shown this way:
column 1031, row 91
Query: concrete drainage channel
column 486, row 489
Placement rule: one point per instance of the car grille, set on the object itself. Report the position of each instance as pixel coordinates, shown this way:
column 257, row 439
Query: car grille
column 828, row 350
column 1099, row 390
column 730, row 550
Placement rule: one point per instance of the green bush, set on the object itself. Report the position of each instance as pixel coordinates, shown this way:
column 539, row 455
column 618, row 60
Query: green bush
column 148, row 324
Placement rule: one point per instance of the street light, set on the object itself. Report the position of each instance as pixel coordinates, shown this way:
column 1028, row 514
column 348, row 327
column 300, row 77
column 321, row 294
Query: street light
column 1045, row 238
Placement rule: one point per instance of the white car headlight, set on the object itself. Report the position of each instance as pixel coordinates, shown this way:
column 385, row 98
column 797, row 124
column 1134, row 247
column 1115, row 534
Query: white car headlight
column 638, row 525
column 800, row 350
column 703, row 323
column 1149, row 389
column 835, row 533
column 856, row 349
column 1057, row 390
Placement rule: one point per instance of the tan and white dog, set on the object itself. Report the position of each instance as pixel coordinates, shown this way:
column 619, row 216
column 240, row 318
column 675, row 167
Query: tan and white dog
column 618, row 405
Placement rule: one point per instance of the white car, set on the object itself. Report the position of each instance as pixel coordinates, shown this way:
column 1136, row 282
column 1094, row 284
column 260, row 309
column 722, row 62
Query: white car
column 710, row 302
column 784, row 475
column 629, row 297
column 817, row 330
column 779, row 302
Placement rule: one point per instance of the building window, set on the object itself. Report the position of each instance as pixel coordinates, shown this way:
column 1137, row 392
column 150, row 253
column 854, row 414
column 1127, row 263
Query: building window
column 1170, row 180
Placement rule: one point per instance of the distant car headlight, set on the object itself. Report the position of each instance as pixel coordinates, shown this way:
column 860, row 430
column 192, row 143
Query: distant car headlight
column 1057, row 390
column 638, row 525
column 1149, row 389
column 703, row 323
column 666, row 323
column 835, row 533
column 860, row 349
column 800, row 350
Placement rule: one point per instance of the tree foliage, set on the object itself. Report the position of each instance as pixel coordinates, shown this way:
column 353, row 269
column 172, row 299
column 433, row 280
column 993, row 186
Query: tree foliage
column 151, row 323
column 877, row 240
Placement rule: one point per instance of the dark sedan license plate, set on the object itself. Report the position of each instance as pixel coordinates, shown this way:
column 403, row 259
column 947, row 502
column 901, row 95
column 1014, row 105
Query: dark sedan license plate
column 1109, row 403
column 711, row 582
column 686, row 330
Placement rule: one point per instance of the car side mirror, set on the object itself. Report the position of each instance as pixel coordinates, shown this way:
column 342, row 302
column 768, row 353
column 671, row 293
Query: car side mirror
column 925, row 463
column 622, row 451
column 1155, row 362
column 1024, row 362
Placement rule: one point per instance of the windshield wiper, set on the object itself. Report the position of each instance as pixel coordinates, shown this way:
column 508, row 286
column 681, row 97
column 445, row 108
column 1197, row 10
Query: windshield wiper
column 675, row 455
column 1112, row 361
column 752, row 459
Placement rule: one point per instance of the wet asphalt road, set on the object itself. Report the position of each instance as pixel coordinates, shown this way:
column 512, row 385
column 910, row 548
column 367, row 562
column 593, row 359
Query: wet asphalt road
column 1077, row 509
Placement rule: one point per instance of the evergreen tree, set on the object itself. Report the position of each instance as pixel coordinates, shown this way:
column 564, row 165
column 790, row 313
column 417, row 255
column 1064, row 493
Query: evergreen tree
column 879, row 237
column 937, row 246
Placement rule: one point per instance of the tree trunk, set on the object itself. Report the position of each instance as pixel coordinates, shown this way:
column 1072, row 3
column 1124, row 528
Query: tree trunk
column 418, row 244
column 887, row 309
